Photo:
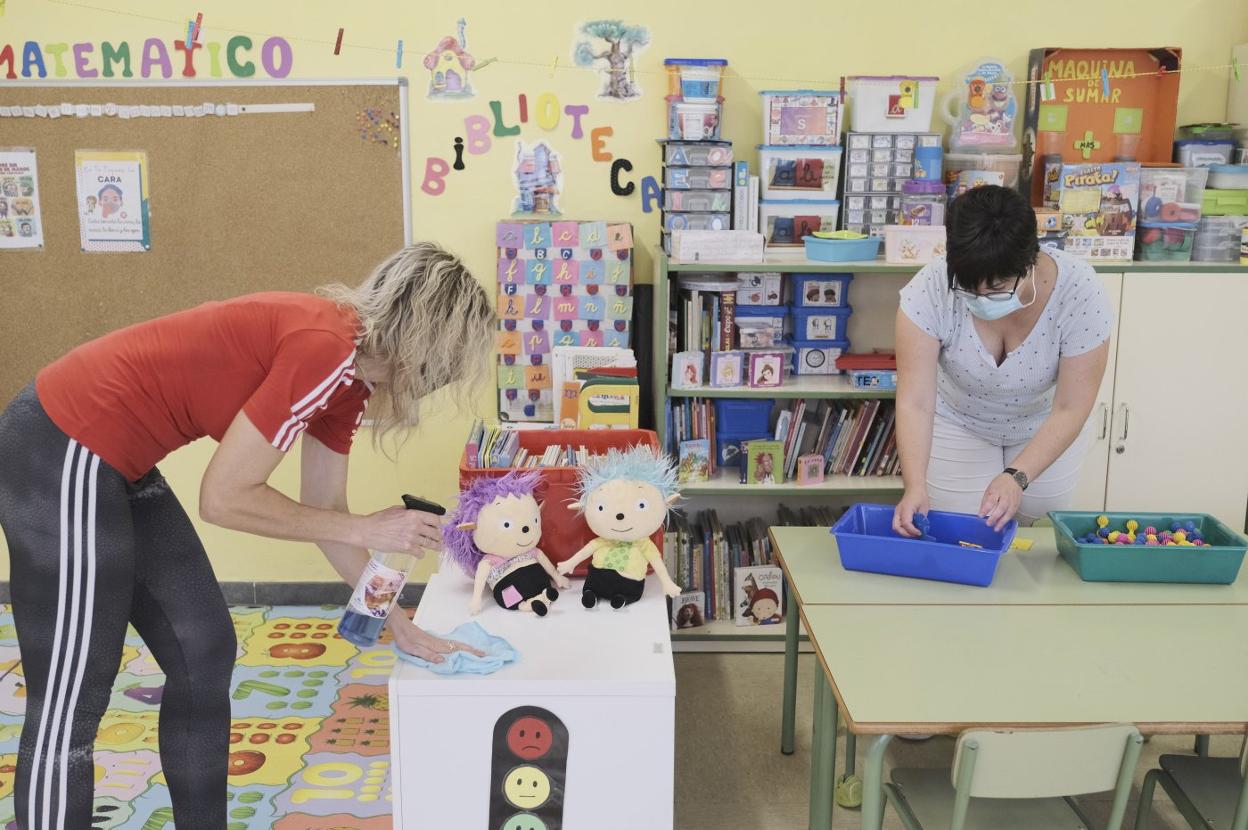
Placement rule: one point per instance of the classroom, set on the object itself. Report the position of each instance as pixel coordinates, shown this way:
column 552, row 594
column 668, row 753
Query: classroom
column 581, row 416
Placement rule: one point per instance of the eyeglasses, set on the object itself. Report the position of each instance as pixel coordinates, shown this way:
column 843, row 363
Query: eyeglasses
column 994, row 295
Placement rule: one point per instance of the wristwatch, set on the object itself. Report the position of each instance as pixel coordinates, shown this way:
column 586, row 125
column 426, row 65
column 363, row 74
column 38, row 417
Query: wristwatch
column 1019, row 476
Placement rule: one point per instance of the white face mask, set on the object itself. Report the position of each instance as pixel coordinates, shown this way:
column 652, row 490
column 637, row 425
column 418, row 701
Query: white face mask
column 987, row 309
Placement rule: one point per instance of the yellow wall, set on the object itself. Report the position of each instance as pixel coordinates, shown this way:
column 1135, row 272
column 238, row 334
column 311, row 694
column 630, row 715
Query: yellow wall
column 764, row 46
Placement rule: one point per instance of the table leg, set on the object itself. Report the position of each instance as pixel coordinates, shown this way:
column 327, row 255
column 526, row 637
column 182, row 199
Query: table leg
column 1240, row 821
column 849, row 785
column 789, row 710
column 873, row 786
column 1202, row 746
column 823, row 755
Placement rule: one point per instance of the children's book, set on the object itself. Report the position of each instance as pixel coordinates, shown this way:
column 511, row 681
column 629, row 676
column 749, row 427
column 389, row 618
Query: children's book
column 695, row 461
column 758, row 595
column 764, row 462
column 689, row 610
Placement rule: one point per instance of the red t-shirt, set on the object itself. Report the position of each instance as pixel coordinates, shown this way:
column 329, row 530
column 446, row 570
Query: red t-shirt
column 286, row 360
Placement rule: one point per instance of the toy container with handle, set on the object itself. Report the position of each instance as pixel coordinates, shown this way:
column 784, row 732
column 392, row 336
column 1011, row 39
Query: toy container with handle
column 981, row 113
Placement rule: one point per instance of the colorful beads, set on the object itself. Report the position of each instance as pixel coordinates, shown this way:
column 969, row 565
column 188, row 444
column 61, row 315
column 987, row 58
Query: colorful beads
column 1181, row 534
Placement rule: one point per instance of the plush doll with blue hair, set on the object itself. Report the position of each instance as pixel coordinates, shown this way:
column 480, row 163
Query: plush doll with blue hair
column 624, row 496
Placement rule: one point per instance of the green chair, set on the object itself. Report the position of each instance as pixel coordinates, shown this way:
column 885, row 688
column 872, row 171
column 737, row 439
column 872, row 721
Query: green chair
column 1209, row 792
column 1020, row 779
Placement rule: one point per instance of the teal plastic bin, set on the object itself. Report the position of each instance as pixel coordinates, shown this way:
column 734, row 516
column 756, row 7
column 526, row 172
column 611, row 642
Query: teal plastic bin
column 1217, row 564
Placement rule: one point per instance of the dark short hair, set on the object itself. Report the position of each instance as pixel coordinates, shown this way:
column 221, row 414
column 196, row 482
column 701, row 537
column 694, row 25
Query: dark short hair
column 991, row 237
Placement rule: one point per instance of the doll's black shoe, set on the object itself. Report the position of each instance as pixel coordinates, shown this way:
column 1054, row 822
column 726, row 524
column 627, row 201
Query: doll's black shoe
column 539, row 607
column 551, row 595
column 618, row 602
column 589, row 599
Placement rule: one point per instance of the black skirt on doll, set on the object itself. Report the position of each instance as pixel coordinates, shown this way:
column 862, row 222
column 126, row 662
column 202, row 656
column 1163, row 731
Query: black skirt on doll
column 528, row 582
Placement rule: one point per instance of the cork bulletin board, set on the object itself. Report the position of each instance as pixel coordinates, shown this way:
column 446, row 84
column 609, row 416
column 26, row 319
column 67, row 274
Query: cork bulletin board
column 238, row 203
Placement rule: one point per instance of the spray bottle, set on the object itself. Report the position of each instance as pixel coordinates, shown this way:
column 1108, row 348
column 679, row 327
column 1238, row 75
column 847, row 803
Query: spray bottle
column 379, row 587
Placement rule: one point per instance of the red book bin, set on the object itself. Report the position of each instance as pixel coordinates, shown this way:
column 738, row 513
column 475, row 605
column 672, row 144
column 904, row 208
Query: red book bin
column 564, row 531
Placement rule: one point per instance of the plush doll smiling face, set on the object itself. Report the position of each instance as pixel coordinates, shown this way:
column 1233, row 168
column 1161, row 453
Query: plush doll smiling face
column 624, row 510
column 508, row 526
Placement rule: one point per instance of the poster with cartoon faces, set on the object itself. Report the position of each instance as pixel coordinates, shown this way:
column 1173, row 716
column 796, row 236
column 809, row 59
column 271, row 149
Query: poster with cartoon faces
column 113, row 210
column 21, row 221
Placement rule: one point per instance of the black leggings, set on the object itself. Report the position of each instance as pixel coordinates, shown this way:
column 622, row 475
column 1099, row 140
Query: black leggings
column 91, row 552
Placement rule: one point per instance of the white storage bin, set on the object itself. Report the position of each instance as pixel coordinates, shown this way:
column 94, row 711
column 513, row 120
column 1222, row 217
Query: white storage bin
column 783, row 222
column 913, row 244
column 697, row 153
column 1007, row 163
column 1228, row 177
column 697, row 178
column 892, row 103
column 697, row 221
column 799, row 172
column 802, row 117
column 698, row 200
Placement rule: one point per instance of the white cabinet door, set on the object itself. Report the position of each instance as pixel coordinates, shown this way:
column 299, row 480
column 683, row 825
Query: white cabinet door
column 1178, row 437
column 1090, row 492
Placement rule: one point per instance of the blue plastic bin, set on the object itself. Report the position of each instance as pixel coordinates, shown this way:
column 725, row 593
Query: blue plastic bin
column 743, row 416
column 821, row 323
column 821, row 290
column 866, row 542
column 728, row 446
column 842, row 250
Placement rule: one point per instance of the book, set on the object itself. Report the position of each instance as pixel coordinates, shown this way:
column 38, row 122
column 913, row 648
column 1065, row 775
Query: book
column 689, row 610
column 753, row 210
column 741, row 196
column 758, row 595
column 764, row 462
column 695, row 461
column 727, row 321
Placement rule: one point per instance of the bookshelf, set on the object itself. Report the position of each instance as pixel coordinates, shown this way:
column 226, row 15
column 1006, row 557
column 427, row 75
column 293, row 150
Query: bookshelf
column 729, row 484
column 799, row 386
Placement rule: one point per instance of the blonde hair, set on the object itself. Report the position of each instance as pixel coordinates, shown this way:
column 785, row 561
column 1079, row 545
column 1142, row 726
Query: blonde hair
column 428, row 323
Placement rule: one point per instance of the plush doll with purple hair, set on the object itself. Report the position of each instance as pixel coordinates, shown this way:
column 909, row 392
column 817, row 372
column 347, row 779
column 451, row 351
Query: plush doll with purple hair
column 492, row 537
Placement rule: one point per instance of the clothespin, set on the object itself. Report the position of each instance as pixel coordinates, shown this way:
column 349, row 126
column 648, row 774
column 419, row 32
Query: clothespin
column 1235, row 66
column 190, row 34
column 483, row 63
column 398, row 55
column 1161, row 70
column 554, row 65
column 1104, row 82
column 199, row 22
column 338, row 42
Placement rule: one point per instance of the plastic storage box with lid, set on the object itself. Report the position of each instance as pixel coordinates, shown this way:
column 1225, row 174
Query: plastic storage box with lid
column 697, row 221
column 1218, row 238
column 841, row 250
column 1171, row 194
column 802, row 116
column 1217, row 564
column 892, row 103
column 1006, row 163
column 702, row 201
column 783, row 222
column 760, row 288
column 799, row 171
column 1224, row 202
column 873, row 378
column 761, row 326
column 821, row 323
column 1196, row 152
column 821, row 290
column 695, row 79
column 818, row 357
column 866, row 542
column 1165, row 242
column 922, row 203
column 877, row 164
column 913, row 244
column 750, row 415
column 698, row 178
column 1229, row 176
column 574, row 667
column 692, row 120
column 697, row 153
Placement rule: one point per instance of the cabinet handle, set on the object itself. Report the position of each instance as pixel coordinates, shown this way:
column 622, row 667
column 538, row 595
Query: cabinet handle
column 1126, row 420
column 1104, row 422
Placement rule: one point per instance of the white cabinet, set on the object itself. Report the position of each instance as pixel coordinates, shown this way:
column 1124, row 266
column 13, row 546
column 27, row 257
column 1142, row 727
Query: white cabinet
column 1090, row 492
column 1179, row 432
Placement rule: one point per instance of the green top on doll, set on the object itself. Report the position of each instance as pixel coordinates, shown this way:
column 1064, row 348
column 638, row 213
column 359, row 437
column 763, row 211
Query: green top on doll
column 625, row 496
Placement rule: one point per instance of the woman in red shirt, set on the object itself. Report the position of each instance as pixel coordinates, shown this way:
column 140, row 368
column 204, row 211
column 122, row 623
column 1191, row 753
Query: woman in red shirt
column 98, row 540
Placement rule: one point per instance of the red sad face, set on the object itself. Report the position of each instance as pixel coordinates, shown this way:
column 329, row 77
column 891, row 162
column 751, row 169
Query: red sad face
column 529, row 738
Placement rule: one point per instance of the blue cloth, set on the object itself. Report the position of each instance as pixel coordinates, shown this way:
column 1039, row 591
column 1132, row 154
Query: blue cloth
column 498, row 652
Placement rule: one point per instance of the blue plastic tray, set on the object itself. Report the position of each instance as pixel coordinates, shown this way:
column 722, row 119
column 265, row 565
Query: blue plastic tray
column 866, row 541
column 842, row 250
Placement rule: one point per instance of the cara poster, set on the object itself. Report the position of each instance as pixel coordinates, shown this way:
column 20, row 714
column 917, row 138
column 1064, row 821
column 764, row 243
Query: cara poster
column 113, row 210
column 21, row 222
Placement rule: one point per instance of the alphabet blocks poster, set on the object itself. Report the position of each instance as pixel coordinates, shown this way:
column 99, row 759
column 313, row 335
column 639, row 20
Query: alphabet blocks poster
column 559, row 284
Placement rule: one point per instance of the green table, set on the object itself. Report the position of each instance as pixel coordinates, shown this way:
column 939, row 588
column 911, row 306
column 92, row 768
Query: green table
column 1039, row 646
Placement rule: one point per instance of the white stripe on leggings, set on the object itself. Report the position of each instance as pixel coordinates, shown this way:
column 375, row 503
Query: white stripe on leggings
column 59, row 713
column 31, row 804
column 85, row 641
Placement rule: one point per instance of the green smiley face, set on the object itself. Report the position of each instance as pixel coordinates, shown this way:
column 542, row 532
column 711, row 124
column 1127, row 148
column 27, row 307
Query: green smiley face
column 523, row 821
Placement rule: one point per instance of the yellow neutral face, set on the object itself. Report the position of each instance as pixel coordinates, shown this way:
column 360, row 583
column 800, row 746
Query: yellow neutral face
column 527, row 787
column 508, row 526
column 626, row 511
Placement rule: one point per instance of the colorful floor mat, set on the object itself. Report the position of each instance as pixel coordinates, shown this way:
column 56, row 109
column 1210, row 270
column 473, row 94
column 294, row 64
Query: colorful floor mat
column 310, row 736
